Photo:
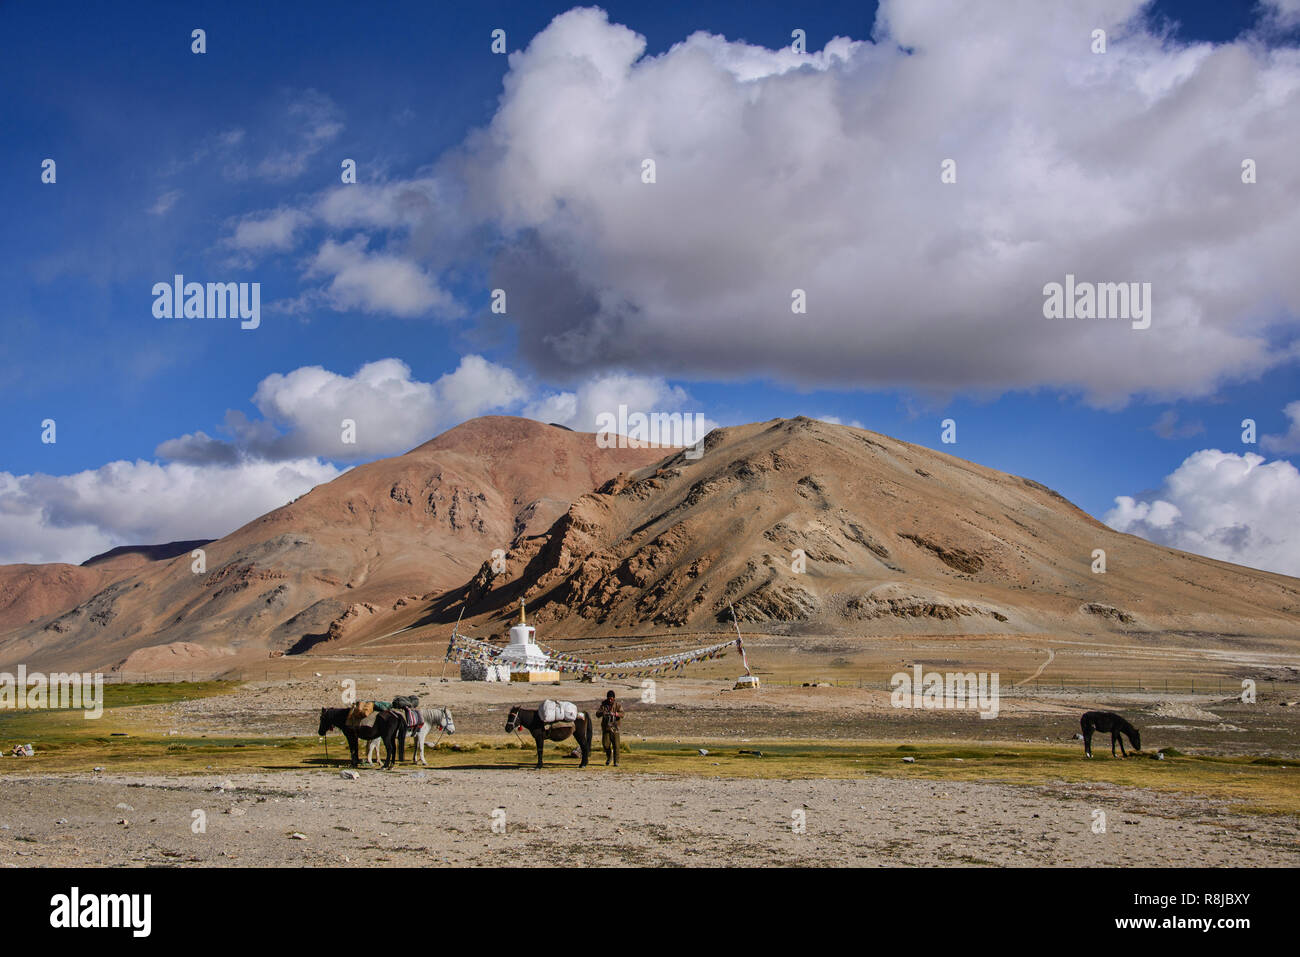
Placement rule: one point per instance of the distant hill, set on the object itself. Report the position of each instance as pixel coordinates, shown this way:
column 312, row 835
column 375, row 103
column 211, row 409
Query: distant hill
column 149, row 553
column 379, row 536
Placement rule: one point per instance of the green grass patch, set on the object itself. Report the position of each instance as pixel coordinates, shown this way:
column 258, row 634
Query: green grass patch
column 127, row 739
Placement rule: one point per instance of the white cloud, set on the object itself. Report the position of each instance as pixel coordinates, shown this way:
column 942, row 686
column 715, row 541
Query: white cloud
column 1282, row 14
column 303, row 412
column 602, row 395
column 377, row 205
column 273, row 230
column 820, row 171
column 1236, row 508
column 1288, row 442
column 68, row 518
column 836, row 420
column 377, row 282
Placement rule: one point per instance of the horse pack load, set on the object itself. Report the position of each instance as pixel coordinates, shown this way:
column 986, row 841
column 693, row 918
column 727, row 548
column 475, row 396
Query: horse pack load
column 359, row 712
column 552, row 711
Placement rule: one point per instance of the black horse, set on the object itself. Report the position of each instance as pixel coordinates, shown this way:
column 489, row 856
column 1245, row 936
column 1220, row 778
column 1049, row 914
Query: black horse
column 1117, row 726
column 530, row 720
column 388, row 727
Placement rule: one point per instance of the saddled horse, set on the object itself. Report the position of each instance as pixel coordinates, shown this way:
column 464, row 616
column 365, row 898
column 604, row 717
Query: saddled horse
column 387, row 727
column 1113, row 723
column 530, row 720
column 429, row 718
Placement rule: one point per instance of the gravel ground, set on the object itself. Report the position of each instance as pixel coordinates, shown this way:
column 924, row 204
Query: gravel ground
column 598, row 816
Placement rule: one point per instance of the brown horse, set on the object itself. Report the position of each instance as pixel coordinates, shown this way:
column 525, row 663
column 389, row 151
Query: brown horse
column 529, row 719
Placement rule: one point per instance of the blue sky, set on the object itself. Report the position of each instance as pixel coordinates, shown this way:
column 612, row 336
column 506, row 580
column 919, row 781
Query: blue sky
column 162, row 155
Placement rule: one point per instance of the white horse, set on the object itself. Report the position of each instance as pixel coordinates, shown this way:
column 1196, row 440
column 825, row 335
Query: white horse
column 439, row 718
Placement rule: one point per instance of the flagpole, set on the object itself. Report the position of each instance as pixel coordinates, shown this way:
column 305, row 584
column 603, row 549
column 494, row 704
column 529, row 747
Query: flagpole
column 740, row 646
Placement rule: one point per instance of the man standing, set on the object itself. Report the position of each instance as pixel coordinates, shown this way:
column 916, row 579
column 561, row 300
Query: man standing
column 610, row 713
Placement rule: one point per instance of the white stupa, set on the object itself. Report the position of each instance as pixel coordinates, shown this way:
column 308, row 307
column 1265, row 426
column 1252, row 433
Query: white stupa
column 527, row 662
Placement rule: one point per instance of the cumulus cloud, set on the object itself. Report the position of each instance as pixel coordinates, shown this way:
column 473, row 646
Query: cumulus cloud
column 68, row 518
column 303, row 412
column 594, row 406
column 1237, row 508
column 821, row 171
column 377, row 281
column 1288, row 442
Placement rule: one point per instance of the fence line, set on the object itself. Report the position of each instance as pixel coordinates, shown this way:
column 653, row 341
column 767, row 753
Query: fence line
column 1213, row 685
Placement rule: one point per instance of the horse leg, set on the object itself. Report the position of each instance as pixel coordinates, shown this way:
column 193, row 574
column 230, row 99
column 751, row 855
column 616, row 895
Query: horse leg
column 541, row 740
column 352, row 747
column 1122, row 752
column 1087, row 742
column 1114, row 736
column 585, row 742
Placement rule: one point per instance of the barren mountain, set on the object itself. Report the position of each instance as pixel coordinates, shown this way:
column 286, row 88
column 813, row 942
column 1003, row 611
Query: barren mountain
column 806, row 527
column 353, row 550
column 31, row 592
column 809, row 527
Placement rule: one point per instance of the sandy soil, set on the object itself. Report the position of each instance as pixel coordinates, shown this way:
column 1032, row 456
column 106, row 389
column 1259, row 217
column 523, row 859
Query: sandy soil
column 599, row 816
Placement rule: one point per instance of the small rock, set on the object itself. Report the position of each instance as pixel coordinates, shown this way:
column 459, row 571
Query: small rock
column 124, row 807
column 909, row 760
column 297, row 836
column 702, row 752
column 348, row 775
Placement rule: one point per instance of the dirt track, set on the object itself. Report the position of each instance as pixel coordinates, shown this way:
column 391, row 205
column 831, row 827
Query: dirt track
column 562, row 816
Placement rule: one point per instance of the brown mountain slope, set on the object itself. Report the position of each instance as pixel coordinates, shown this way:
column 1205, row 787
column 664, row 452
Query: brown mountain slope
column 376, row 538
column 31, row 592
column 895, row 539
